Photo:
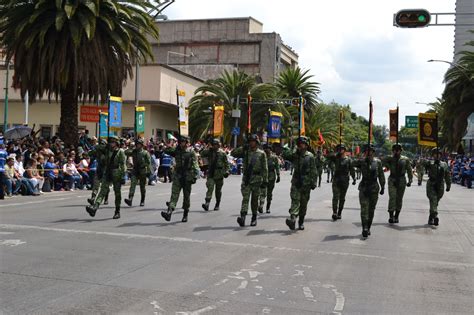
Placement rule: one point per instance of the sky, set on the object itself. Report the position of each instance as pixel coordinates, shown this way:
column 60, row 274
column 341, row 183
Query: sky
column 351, row 47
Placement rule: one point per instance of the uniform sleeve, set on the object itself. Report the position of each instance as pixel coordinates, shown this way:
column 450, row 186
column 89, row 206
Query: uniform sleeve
column 288, row 154
column 277, row 166
column 447, row 177
column 171, row 151
column 128, row 152
column 386, row 162
column 122, row 162
column 195, row 165
column 148, row 163
column 204, row 153
column 409, row 171
column 381, row 175
column 226, row 163
column 238, row 152
column 351, row 169
column 263, row 160
column 313, row 171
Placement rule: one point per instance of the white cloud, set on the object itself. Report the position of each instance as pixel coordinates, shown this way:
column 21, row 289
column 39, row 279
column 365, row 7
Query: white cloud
column 351, row 47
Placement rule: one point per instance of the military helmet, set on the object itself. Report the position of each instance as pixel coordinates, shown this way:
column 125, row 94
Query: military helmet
column 435, row 150
column 340, row 147
column 216, row 142
column 253, row 137
column 140, row 141
column 182, row 139
column 114, row 139
column 302, row 139
column 368, row 147
column 397, row 147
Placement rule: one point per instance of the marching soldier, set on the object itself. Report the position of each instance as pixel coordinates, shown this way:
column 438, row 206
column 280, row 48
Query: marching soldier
column 369, row 189
column 273, row 176
column 340, row 183
column 255, row 177
column 438, row 175
column 303, row 181
column 141, row 170
column 114, row 173
column 330, row 169
column 218, row 169
column 420, row 171
column 399, row 167
column 185, row 174
column 101, row 160
column 319, row 166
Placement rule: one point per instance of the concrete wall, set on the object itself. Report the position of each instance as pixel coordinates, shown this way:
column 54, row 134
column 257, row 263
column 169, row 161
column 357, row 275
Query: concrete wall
column 462, row 34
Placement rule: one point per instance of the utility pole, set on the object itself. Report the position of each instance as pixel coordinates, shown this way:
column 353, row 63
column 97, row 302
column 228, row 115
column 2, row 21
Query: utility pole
column 5, row 106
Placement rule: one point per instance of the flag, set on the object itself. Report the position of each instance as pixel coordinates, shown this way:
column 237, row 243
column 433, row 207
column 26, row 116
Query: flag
column 218, row 128
column 341, row 117
column 393, row 115
column 274, row 127
column 371, row 114
column 428, row 129
column 321, row 138
column 302, row 125
column 249, row 113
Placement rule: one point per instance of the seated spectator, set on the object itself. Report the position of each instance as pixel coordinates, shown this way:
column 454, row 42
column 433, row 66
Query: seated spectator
column 50, row 172
column 83, row 169
column 72, row 177
column 33, row 176
column 26, row 185
column 12, row 184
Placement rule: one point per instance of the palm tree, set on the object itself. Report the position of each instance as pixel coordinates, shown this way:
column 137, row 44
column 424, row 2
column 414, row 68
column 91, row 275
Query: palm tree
column 325, row 120
column 74, row 49
column 228, row 90
column 458, row 98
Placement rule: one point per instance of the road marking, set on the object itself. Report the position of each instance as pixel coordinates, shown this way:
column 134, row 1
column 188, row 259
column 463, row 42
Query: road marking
column 31, row 202
column 200, row 292
column 12, row 243
column 200, row 311
column 235, row 244
column 340, row 300
column 6, row 233
column 243, row 285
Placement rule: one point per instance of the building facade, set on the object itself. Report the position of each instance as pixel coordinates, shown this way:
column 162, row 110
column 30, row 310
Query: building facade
column 205, row 48
column 464, row 23
column 158, row 85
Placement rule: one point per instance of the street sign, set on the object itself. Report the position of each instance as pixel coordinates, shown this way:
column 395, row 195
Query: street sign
column 91, row 113
column 140, row 120
column 115, row 119
column 103, row 125
column 411, row 122
column 236, row 131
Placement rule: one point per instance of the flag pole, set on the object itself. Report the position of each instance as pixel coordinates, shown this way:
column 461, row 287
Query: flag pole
column 177, row 102
column 371, row 109
column 398, row 120
column 340, row 126
column 249, row 113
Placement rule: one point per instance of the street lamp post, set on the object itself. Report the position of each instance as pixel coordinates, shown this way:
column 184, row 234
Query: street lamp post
column 5, row 105
column 453, row 64
column 190, row 55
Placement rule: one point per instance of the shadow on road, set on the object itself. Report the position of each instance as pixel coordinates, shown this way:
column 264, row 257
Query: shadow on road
column 330, row 238
column 268, row 232
column 216, row 228
column 130, row 224
column 81, row 220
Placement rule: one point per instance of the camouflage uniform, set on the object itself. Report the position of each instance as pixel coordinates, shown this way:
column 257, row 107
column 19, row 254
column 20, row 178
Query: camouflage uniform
column 273, row 177
column 114, row 173
column 185, row 174
column 140, row 172
column 303, row 181
column 372, row 171
column 330, row 169
column 101, row 160
column 255, row 178
column 319, row 159
column 438, row 174
column 340, row 183
column 420, row 171
column 218, row 169
column 399, row 167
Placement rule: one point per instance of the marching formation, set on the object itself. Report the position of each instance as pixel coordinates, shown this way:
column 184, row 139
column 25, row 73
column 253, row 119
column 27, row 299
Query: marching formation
column 261, row 171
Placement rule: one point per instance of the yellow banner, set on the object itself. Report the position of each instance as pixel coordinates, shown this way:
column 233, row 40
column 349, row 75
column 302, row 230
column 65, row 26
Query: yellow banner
column 303, row 129
column 272, row 113
column 116, row 99
column 218, row 128
column 428, row 129
column 140, row 109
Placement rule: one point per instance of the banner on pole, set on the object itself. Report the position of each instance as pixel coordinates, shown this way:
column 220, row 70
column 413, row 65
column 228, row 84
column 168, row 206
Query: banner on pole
column 183, row 113
column 321, row 140
column 91, row 113
column 274, row 126
column 103, row 125
column 393, row 115
column 218, row 128
column 249, row 113
column 140, row 120
column 115, row 111
column 428, row 129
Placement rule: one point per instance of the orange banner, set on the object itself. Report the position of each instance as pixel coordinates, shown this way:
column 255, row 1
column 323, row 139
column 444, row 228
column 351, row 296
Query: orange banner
column 218, row 127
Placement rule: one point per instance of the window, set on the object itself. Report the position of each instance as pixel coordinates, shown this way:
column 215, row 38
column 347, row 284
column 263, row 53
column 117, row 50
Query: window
column 46, row 132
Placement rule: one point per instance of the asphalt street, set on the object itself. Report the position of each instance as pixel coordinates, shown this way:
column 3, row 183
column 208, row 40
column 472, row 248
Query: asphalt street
column 54, row 258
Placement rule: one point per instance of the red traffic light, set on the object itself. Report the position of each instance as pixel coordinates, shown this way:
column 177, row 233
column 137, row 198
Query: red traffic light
column 412, row 18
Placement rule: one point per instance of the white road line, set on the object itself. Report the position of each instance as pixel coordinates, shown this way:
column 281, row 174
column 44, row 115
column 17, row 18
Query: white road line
column 243, row 285
column 31, row 202
column 340, row 300
column 222, row 243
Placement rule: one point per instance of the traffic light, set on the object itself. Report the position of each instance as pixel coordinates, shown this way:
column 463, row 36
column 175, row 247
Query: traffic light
column 412, row 18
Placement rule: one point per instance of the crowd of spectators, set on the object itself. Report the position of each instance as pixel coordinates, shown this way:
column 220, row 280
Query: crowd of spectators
column 462, row 170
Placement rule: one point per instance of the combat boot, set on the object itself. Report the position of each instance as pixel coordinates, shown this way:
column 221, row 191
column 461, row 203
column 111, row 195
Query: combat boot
column 339, row 213
column 91, row 210
column 291, row 222
column 167, row 214
column 419, row 183
column 117, row 213
column 106, row 200
column 205, row 205
column 253, row 222
column 268, row 207
column 431, row 220
column 334, row 216
column 365, row 231
column 216, row 207
column 436, row 221
column 390, row 220
column 90, row 201
column 241, row 220
column 128, row 201
column 260, row 209
column 185, row 216
column 395, row 218
column 301, row 223
column 142, row 201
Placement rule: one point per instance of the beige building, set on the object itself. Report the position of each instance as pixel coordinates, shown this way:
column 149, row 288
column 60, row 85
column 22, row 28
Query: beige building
column 158, row 85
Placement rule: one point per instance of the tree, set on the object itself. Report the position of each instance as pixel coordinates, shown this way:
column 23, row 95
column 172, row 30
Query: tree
column 74, row 49
column 458, row 99
column 230, row 90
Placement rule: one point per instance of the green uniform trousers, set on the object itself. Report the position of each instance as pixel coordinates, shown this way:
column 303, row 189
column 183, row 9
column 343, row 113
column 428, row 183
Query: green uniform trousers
column 250, row 193
column 212, row 183
column 267, row 193
column 339, row 190
column 420, row 176
column 395, row 194
column 434, row 195
column 320, row 175
column 104, row 189
column 368, row 202
column 141, row 179
column 299, row 200
column 176, row 189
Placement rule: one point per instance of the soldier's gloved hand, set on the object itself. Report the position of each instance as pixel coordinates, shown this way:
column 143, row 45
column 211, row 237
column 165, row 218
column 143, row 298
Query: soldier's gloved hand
column 278, row 179
column 226, row 175
column 382, row 191
column 448, row 189
column 194, row 181
column 408, row 184
column 354, row 182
